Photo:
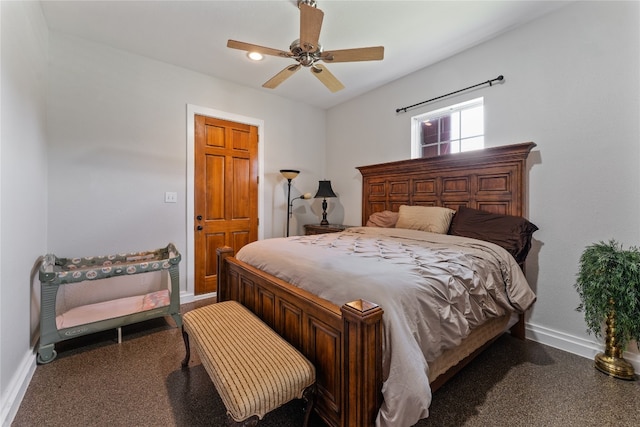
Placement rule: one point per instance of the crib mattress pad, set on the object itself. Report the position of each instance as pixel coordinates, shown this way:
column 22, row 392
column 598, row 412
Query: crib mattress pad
column 114, row 308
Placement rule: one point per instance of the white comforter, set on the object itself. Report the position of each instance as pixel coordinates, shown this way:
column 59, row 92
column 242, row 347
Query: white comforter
column 434, row 289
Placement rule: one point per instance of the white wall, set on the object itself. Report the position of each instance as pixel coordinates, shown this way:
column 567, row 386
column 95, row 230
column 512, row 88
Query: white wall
column 571, row 86
column 118, row 141
column 23, row 190
column 112, row 139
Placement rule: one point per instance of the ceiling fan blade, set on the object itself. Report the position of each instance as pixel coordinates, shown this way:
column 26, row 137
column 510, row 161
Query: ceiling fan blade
column 328, row 79
column 281, row 76
column 375, row 53
column 310, row 25
column 233, row 44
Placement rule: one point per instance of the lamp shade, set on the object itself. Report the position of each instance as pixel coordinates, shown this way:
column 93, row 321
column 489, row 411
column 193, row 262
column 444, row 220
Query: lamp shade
column 289, row 173
column 324, row 190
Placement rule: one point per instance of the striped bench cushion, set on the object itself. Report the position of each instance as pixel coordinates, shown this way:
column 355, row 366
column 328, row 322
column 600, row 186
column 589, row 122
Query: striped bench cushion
column 253, row 368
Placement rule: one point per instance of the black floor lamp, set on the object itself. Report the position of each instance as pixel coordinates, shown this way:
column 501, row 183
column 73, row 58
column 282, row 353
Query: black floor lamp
column 290, row 174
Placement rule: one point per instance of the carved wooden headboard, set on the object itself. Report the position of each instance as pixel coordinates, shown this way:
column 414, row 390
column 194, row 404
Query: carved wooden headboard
column 493, row 179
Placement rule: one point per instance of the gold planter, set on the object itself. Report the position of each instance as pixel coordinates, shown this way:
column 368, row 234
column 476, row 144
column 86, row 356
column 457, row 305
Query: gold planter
column 611, row 361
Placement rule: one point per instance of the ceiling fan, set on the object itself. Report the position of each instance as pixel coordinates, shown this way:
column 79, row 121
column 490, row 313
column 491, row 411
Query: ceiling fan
column 307, row 51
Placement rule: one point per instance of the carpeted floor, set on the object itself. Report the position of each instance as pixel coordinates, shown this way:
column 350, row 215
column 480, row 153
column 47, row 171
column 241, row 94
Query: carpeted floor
column 95, row 381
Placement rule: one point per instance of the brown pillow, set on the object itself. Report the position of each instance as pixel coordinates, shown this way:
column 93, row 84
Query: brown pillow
column 385, row 219
column 511, row 232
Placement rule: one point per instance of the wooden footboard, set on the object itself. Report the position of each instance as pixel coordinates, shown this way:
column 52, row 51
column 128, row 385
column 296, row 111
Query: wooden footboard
column 344, row 343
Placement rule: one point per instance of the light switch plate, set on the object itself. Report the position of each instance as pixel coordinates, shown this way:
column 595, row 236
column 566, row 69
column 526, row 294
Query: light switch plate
column 171, row 197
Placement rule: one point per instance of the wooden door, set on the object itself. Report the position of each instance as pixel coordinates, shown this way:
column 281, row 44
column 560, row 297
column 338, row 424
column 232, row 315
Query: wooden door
column 226, row 193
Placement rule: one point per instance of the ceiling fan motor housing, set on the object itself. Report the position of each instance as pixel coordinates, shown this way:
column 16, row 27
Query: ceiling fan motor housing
column 311, row 3
column 306, row 59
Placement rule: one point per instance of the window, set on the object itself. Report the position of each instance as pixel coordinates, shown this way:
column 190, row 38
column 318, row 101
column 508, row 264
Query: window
column 451, row 129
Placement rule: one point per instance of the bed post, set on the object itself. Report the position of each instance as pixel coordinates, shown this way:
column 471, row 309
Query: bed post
column 221, row 271
column 361, row 363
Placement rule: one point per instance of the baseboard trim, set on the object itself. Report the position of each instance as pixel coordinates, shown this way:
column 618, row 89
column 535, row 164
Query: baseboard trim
column 572, row 344
column 17, row 388
column 188, row 297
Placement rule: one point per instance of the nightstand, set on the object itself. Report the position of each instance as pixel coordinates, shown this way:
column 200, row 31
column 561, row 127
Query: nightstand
column 310, row 229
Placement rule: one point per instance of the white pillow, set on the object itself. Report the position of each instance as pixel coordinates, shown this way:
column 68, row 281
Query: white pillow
column 435, row 219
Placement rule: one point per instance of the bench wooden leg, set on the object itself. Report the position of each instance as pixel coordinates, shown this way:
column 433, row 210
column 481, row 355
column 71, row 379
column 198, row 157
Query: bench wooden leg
column 185, row 337
column 249, row 422
column 309, row 398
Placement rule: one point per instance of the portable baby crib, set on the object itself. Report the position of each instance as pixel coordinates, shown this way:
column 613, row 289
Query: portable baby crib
column 80, row 296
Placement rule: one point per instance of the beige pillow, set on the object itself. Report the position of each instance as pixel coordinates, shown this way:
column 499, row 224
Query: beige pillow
column 426, row 218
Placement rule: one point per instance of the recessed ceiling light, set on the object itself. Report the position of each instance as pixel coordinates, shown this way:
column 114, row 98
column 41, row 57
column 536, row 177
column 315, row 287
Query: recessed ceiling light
column 255, row 56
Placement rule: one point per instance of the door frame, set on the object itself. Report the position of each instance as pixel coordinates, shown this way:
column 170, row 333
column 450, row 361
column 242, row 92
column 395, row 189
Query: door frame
column 189, row 254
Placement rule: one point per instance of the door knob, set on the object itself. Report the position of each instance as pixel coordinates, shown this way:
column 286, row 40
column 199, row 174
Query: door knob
column 199, row 217
column 199, row 228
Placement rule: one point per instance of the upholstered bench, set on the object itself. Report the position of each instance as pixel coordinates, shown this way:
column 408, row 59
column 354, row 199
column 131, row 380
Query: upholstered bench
column 253, row 368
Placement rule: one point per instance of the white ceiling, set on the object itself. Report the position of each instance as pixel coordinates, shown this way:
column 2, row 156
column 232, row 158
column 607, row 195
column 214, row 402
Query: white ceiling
column 193, row 34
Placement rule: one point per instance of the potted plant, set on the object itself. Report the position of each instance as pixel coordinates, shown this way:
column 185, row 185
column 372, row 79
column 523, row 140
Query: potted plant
column 609, row 287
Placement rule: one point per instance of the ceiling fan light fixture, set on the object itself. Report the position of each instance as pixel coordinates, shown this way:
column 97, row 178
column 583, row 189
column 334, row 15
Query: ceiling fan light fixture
column 255, row 56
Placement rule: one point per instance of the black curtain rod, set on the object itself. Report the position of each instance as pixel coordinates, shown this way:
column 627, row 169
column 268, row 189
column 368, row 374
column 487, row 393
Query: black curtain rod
column 489, row 82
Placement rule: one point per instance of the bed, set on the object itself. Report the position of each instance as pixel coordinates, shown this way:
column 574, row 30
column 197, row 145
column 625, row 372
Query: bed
column 345, row 339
